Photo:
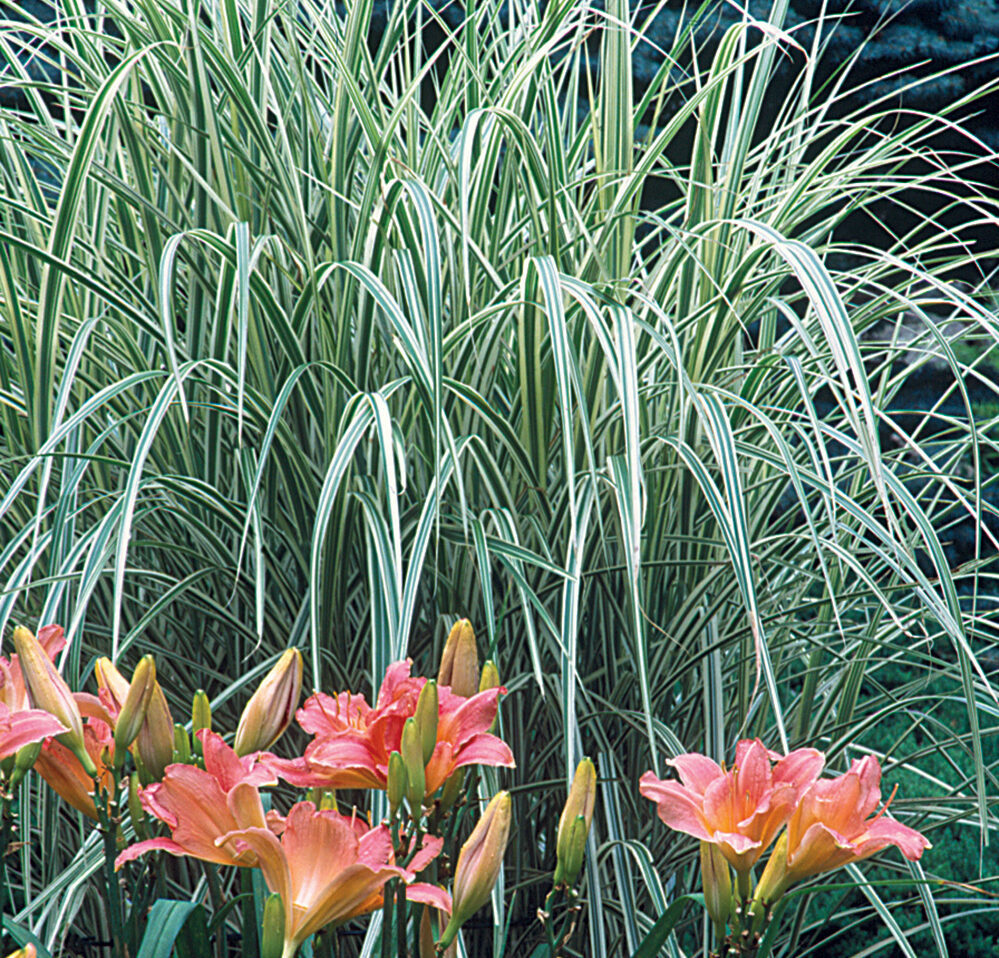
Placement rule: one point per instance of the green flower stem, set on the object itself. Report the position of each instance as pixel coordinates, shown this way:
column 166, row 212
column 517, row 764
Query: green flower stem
column 6, row 837
column 107, row 811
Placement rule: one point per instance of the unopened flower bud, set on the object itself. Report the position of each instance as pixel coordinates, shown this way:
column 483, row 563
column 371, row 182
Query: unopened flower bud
column 48, row 691
column 201, row 717
column 490, row 678
column 571, row 840
column 412, row 758
column 479, row 863
column 396, row 787
column 181, row 745
column 135, row 810
column 272, row 707
column 28, row 951
column 427, row 709
column 23, row 761
column 716, row 879
column 327, row 801
column 112, row 683
column 272, row 931
column 154, row 744
column 452, row 789
column 460, row 661
column 133, row 708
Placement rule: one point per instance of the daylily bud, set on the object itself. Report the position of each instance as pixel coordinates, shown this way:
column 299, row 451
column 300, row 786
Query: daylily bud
column 327, row 801
column 47, row 690
column 460, row 661
column 272, row 933
column 716, row 880
column 154, row 744
column 111, row 682
column 135, row 809
column 452, row 789
column 24, row 760
column 201, row 717
column 490, row 678
column 133, row 709
column 28, row 951
column 272, row 707
column 181, row 745
column 412, row 758
column 479, row 863
column 570, row 864
column 396, row 781
column 579, row 804
column 426, row 718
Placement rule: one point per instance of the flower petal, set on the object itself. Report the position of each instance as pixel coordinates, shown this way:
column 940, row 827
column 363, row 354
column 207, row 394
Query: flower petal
column 696, row 771
column 677, row 806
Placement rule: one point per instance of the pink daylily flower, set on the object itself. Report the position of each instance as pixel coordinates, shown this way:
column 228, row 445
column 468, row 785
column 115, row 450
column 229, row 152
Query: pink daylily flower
column 202, row 806
column 326, row 873
column 25, row 727
column 831, row 827
column 741, row 809
column 353, row 741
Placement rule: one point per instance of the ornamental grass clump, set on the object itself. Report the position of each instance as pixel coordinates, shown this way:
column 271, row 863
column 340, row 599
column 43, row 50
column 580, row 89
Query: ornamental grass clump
column 656, row 353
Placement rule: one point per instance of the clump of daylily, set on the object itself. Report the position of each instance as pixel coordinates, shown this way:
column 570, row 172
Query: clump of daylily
column 119, row 759
column 738, row 812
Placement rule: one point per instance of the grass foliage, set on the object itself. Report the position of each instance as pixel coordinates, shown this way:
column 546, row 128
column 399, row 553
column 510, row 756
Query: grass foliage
column 307, row 338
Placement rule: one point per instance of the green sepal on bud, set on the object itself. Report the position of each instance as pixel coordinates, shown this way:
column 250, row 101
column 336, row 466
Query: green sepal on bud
column 452, row 789
column 396, row 787
column 427, row 710
column 412, row 758
column 272, row 930
column 201, row 718
column 134, row 708
column 181, row 745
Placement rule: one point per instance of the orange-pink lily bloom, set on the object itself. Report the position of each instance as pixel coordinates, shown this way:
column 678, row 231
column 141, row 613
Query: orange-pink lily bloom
column 740, row 809
column 202, row 806
column 326, row 872
column 66, row 776
column 25, row 727
column 353, row 741
column 831, row 827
